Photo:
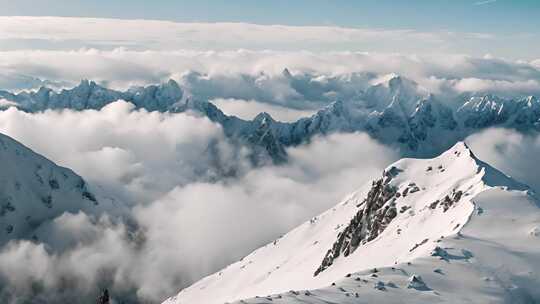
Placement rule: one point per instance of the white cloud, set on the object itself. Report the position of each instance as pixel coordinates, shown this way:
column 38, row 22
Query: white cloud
column 191, row 229
column 485, row 2
column 58, row 32
column 502, row 87
column 243, row 214
column 249, row 109
column 256, row 75
column 133, row 154
column 161, row 164
column 6, row 103
column 514, row 153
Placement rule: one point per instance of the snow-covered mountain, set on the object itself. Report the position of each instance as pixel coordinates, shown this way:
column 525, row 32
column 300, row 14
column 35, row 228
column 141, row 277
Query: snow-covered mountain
column 451, row 229
column 34, row 190
column 397, row 112
column 90, row 95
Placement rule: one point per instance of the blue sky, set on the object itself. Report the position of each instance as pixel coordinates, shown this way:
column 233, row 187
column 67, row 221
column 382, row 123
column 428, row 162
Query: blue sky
column 500, row 16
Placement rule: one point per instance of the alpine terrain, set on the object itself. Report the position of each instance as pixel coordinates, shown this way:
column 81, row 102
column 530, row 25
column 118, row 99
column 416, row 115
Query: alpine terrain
column 451, row 229
column 34, row 190
column 396, row 111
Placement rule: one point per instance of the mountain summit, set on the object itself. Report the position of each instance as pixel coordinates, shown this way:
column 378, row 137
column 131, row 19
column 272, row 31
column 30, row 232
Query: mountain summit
column 449, row 229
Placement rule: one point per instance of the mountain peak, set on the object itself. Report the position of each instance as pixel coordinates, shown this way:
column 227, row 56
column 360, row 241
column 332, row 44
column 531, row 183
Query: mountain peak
column 86, row 84
column 286, row 73
column 395, row 82
column 263, row 118
column 171, row 83
column 531, row 100
column 461, row 147
column 398, row 231
column 459, row 161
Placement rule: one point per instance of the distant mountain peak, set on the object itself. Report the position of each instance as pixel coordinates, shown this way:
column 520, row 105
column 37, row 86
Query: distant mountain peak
column 286, row 73
column 264, row 118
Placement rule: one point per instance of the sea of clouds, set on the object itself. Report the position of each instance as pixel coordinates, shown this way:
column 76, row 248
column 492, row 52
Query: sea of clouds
column 187, row 223
column 194, row 202
column 122, row 68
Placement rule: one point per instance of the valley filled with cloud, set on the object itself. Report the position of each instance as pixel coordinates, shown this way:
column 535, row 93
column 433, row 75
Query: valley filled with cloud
column 186, row 198
column 182, row 214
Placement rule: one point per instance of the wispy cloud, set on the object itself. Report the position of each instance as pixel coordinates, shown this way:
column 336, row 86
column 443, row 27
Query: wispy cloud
column 74, row 33
column 485, row 2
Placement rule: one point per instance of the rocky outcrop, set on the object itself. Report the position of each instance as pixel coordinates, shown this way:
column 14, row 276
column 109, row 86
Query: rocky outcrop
column 376, row 212
column 104, row 298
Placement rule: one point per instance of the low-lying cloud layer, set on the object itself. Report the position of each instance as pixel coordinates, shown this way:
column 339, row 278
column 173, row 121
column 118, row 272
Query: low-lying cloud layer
column 73, row 33
column 249, row 109
column 188, row 217
column 514, row 153
column 186, row 227
column 246, row 61
column 258, row 75
column 132, row 154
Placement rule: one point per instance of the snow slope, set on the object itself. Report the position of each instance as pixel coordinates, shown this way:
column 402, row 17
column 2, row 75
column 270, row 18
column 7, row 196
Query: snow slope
column 449, row 229
column 34, row 190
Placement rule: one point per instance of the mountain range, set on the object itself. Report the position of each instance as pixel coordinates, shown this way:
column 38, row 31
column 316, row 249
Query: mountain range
column 450, row 229
column 423, row 230
column 397, row 112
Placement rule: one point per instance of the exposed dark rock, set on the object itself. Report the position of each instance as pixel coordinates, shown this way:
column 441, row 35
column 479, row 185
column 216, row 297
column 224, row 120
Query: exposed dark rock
column 404, row 208
column 104, row 297
column 53, row 183
column 440, row 252
column 418, row 245
column 416, row 282
column 376, row 212
column 89, row 196
column 6, row 205
column 47, row 201
column 449, row 201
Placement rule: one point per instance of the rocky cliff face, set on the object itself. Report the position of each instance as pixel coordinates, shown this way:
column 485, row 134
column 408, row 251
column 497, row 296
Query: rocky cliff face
column 376, row 211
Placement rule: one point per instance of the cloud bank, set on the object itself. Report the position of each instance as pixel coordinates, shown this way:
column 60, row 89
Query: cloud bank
column 182, row 227
column 516, row 154
column 249, row 109
column 258, row 75
column 73, row 33
column 185, row 221
column 134, row 155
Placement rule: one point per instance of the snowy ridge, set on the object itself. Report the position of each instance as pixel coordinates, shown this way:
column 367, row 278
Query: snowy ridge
column 34, row 190
column 446, row 229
